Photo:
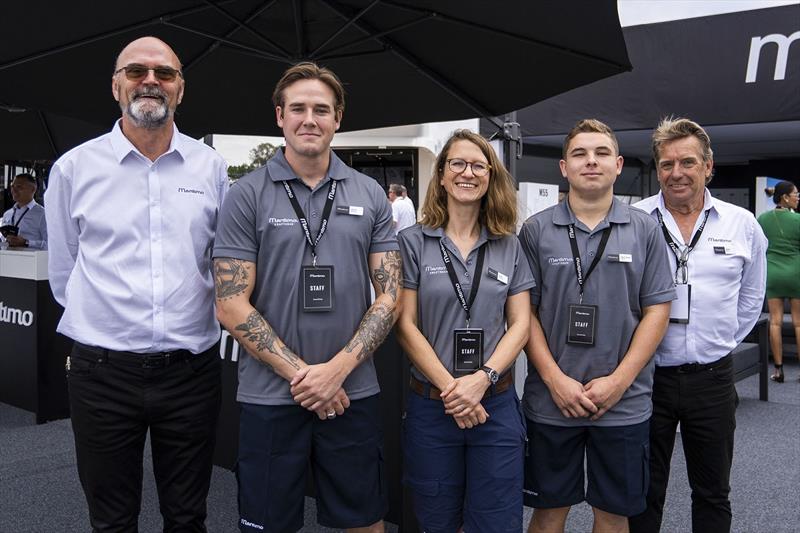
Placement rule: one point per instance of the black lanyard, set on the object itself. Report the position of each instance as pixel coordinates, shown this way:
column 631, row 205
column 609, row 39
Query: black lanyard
column 476, row 277
column 576, row 256
column 326, row 213
column 14, row 214
column 681, row 258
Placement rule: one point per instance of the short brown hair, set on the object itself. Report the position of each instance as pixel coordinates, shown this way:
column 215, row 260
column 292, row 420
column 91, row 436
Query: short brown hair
column 310, row 71
column 589, row 125
column 498, row 207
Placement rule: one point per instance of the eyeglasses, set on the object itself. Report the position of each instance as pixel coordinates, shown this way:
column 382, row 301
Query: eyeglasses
column 135, row 72
column 459, row 165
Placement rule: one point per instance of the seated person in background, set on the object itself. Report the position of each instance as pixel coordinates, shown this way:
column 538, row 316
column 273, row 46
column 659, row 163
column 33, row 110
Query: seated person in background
column 24, row 225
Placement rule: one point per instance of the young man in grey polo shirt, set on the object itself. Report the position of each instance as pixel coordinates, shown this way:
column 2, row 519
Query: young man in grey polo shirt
column 298, row 242
column 600, row 308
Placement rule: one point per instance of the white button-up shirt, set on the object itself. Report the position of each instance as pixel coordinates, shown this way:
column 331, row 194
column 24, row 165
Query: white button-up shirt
column 130, row 243
column 727, row 271
column 30, row 220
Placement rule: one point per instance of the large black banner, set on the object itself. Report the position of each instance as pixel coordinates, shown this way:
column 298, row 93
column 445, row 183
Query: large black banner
column 736, row 68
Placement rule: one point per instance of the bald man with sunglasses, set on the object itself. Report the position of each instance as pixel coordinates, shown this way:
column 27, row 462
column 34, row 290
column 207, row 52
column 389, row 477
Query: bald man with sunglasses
column 133, row 216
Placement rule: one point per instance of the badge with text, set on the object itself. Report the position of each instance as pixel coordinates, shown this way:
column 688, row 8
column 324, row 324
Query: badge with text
column 499, row 276
column 679, row 310
column 723, row 250
column 581, row 324
column 620, row 258
column 467, row 350
column 354, row 210
column 316, row 288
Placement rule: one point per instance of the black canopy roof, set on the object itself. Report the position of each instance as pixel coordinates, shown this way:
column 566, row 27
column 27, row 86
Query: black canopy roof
column 402, row 62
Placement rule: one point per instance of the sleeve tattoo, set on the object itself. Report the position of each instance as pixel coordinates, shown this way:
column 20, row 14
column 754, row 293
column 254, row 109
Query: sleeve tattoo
column 373, row 328
column 387, row 276
column 260, row 333
column 230, row 277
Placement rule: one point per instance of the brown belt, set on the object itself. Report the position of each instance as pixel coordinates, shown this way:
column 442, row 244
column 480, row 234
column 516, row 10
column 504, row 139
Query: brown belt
column 427, row 390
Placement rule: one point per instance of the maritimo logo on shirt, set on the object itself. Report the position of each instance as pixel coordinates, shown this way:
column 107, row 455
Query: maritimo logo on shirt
column 15, row 316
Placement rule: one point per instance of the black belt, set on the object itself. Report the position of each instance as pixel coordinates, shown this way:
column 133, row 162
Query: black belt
column 140, row 360
column 426, row 390
column 693, row 368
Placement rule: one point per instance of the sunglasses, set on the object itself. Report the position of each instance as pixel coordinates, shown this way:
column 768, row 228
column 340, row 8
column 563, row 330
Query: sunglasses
column 135, row 72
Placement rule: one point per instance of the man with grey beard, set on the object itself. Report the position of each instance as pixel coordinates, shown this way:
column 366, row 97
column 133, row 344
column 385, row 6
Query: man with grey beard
column 134, row 214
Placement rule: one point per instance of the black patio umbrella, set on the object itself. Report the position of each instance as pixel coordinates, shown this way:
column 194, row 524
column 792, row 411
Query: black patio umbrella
column 402, row 62
column 32, row 135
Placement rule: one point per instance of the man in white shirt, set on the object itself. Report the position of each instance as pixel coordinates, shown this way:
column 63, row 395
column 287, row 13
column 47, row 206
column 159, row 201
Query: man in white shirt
column 403, row 214
column 718, row 254
column 24, row 225
column 133, row 216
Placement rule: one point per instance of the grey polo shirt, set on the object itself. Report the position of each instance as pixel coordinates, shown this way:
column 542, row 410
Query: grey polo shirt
column 438, row 308
column 619, row 289
column 257, row 224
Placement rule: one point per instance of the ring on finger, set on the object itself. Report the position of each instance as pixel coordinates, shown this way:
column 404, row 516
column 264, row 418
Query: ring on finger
column 331, row 414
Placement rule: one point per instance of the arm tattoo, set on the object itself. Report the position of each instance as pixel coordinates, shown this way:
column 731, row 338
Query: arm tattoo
column 260, row 333
column 388, row 275
column 230, row 277
column 372, row 330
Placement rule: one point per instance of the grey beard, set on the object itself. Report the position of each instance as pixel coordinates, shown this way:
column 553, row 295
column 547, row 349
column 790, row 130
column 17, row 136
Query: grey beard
column 147, row 117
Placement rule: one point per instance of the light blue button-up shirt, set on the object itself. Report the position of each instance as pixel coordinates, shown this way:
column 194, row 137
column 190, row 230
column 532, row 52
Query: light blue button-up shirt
column 130, row 243
column 31, row 222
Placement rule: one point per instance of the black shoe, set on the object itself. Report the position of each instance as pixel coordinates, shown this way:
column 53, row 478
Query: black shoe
column 777, row 376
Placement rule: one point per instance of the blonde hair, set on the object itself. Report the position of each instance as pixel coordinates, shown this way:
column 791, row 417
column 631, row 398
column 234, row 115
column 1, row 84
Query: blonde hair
column 672, row 128
column 498, row 212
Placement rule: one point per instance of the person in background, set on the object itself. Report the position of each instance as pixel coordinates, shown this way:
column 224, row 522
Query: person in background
column 464, row 319
column 403, row 215
column 717, row 252
column 782, row 229
column 24, row 225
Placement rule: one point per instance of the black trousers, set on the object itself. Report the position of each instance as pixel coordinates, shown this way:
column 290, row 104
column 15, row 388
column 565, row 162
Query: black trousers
column 704, row 403
column 114, row 402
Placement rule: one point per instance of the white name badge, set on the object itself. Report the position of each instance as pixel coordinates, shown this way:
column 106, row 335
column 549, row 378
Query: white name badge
column 499, row 276
column 679, row 311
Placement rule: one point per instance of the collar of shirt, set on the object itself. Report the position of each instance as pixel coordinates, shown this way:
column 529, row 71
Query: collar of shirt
column 29, row 205
column 650, row 205
column 280, row 170
column 440, row 234
column 122, row 147
column 563, row 216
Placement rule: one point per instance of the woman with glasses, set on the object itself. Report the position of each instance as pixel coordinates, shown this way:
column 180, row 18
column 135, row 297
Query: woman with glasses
column 782, row 228
column 464, row 319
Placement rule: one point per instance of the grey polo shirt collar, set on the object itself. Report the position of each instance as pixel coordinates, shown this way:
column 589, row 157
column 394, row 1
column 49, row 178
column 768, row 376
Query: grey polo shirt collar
column 618, row 214
column 280, row 170
column 440, row 234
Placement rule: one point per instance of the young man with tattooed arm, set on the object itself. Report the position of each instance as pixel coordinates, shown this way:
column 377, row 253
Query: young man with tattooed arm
column 298, row 243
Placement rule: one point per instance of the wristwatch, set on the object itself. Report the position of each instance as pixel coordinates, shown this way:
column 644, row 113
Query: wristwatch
column 492, row 373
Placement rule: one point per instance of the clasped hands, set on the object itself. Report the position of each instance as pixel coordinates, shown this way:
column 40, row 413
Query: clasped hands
column 462, row 399
column 318, row 388
column 593, row 400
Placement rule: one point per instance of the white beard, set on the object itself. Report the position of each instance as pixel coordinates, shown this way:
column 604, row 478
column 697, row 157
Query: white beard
column 144, row 114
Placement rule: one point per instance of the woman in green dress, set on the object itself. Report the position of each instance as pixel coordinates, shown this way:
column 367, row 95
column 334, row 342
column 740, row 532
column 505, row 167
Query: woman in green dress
column 782, row 228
